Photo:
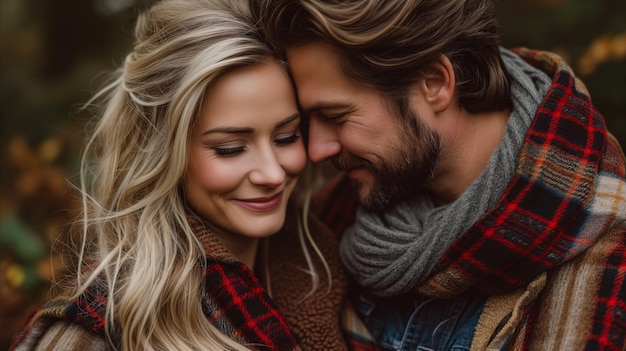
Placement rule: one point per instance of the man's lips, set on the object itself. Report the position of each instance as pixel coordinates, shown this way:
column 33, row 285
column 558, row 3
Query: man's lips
column 356, row 172
column 355, row 167
column 261, row 204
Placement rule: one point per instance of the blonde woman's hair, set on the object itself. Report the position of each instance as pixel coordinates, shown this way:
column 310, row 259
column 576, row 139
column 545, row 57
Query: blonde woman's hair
column 134, row 224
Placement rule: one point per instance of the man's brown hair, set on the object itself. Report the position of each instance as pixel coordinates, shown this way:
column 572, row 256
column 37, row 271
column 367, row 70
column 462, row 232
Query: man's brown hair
column 389, row 44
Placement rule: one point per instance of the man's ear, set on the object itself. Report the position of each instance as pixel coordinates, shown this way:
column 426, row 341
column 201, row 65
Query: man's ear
column 438, row 84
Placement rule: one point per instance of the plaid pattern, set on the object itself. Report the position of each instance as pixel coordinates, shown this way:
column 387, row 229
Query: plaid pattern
column 335, row 204
column 238, row 305
column 235, row 302
column 89, row 310
column 567, row 200
column 546, row 203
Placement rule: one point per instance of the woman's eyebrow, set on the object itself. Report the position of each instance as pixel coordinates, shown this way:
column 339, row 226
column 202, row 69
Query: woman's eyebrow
column 230, row 130
column 248, row 130
column 288, row 120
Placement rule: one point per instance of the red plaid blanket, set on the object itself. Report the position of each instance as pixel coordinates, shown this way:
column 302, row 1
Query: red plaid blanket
column 566, row 202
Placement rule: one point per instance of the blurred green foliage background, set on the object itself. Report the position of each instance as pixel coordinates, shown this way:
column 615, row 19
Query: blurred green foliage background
column 53, row 53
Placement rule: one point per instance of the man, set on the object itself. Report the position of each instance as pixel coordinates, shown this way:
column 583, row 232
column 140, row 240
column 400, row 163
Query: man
column 493, row 199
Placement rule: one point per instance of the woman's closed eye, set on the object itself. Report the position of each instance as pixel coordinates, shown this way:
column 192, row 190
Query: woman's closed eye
column 228, row 151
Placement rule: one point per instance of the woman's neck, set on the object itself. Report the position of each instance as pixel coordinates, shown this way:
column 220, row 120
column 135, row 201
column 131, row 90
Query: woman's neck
column 243, row 248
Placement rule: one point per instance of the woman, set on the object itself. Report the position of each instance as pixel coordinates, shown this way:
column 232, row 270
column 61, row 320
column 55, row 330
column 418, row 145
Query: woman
column 187, row 227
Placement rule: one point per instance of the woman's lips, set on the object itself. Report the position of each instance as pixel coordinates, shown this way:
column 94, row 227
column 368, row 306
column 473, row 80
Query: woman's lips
column 261, row 204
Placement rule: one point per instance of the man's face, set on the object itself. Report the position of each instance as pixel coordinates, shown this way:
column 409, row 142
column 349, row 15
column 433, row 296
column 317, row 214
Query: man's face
column 387, row 156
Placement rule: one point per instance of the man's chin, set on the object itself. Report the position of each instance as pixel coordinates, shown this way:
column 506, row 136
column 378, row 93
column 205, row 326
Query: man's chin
column 379, row 197
column 371, row 200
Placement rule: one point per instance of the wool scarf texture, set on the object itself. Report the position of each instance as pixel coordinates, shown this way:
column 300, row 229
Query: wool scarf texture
column 391, row 252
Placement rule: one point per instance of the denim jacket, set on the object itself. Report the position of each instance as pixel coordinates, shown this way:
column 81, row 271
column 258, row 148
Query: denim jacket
column 407, row 323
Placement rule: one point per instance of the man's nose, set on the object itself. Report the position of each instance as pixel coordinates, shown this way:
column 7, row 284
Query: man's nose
column 323, row 140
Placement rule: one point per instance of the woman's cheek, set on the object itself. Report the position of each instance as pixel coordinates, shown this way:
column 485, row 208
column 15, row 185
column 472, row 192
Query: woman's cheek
column 222, row 175
column 295, row 160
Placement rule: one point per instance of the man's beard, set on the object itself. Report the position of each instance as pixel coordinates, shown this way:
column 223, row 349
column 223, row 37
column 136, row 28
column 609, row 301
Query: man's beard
column 406, row 166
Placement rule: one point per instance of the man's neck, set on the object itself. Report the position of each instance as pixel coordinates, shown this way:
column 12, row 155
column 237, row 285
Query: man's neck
column 468, row 141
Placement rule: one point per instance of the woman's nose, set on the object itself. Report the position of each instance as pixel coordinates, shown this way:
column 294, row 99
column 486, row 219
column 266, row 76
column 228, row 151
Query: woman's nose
column 267, row 170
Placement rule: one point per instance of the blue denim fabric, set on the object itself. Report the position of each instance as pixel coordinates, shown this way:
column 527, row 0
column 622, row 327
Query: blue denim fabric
column 406, row 323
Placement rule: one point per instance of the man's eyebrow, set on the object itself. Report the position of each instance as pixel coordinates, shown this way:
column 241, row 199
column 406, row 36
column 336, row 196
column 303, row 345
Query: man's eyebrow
column 248, row 130
column 326, row 105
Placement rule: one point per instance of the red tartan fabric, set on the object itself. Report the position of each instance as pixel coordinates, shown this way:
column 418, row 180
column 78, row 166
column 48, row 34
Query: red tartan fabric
column 89, row 310
column 507, row 248
column 568, row 193
column 336, row 204
column 236, row 297
column 235, row 301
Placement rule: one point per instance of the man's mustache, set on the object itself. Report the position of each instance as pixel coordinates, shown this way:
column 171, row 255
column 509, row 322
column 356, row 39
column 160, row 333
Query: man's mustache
column 346, row 161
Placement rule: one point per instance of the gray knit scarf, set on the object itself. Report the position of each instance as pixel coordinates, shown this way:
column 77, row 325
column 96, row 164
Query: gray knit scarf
column 391, row 253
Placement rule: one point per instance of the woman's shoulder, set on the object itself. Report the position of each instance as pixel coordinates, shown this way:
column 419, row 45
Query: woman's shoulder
column 49, row 328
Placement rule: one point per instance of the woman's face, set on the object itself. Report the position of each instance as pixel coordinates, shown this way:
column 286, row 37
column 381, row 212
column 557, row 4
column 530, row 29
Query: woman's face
column 246, row 151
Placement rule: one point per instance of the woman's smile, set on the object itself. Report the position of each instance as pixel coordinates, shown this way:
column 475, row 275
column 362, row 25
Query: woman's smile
column 261, row 204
